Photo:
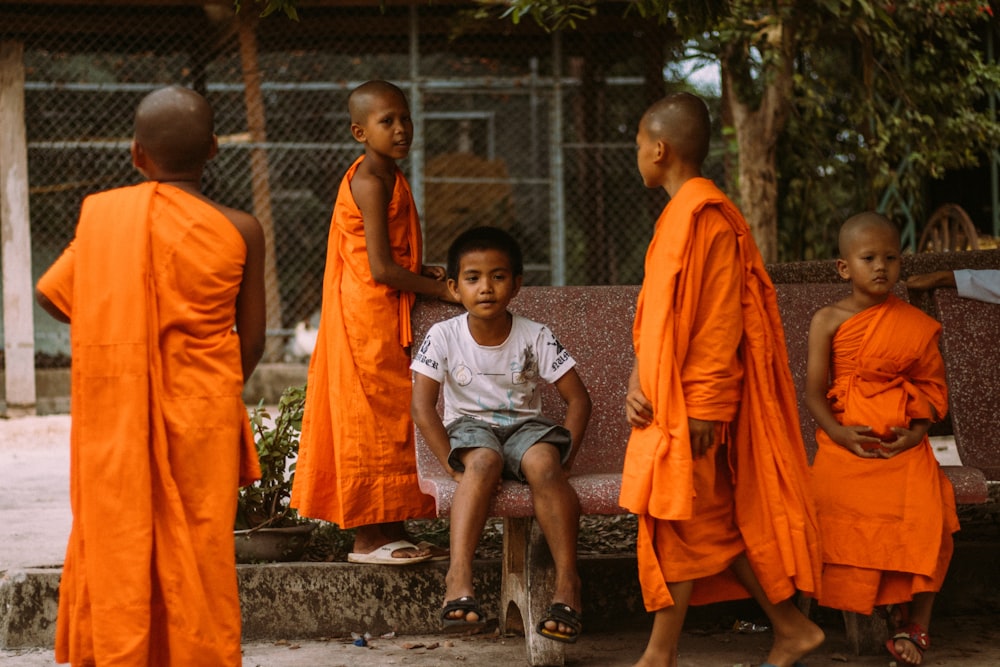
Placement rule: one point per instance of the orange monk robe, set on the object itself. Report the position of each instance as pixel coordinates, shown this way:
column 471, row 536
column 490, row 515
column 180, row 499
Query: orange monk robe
column 887, row 523
column 696, row 517
column 357, row 463
column 160, row 437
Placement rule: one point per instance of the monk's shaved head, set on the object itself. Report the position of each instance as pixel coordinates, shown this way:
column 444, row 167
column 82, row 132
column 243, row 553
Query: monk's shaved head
column 863, row 222
column 175, row 127
column 682, row 121
column 365, row 97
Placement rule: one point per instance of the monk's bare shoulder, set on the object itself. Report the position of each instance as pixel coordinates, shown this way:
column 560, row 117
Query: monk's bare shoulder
column 828, row 319
column 247, row 225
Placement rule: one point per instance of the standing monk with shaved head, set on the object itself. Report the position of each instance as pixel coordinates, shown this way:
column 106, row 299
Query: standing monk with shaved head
column 357, row 463
column 715, row 467
column 164, row 292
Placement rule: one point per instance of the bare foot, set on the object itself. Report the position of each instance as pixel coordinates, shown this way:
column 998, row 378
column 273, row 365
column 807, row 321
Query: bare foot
column 908, row 651
column 795, row 642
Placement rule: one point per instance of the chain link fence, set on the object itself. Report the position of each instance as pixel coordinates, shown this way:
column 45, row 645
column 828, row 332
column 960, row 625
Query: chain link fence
column 515, row 127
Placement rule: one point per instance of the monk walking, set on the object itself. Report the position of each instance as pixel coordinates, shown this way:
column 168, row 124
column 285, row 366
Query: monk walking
column 357, row 464
column 886, row 509
column 711, row 393
column 164, row 290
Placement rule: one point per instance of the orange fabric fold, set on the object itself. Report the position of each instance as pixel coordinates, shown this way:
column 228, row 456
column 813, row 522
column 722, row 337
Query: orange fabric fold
column 357, row 464
column 887, row 523
column 773, row 509
column 160, row 437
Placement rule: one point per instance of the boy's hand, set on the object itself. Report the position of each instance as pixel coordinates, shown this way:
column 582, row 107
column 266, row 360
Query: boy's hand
column 435, row 272
column 638, row 409
column 853, row 439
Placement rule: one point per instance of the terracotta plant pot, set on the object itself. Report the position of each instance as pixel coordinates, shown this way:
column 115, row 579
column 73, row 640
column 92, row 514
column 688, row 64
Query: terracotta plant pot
column 272, row 544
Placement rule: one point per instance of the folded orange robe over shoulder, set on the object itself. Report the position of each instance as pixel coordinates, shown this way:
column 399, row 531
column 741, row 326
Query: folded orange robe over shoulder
column 772, row 508
column 357, row 463
column 887, row 523
column 160, row 438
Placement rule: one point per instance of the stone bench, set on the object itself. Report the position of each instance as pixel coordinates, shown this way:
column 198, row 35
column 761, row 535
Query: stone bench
column 595, row 325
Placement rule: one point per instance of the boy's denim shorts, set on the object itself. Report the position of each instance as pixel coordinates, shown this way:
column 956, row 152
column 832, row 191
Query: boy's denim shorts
column 510, row 442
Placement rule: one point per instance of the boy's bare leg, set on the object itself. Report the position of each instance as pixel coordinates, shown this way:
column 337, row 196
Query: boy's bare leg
column 920, row 613
column 661, row 651
column 557, row 510
column 469, row 509
column 794, row 634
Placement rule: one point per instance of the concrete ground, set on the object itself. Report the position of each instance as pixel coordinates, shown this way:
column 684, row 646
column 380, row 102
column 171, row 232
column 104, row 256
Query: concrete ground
column 35, row 521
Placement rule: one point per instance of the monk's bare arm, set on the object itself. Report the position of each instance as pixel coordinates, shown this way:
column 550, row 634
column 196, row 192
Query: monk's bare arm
column 638, row 409
column 822, row 329
column 929, row 281
column 50, row 307
column 578, row 407
column 423, row 409
column 251, row 304
column 372, row 198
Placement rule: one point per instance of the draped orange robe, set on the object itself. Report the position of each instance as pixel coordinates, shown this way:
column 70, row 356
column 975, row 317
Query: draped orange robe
column 160, row 437
column 357, row 464
column 887, row 523
column 696, row 517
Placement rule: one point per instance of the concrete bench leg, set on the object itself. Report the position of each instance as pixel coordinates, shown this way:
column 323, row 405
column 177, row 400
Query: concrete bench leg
column 528, row 581
column 866, row 635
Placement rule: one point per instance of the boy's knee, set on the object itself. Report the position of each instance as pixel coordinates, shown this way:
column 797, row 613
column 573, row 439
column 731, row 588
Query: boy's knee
column 542, row 462
column 482, row 462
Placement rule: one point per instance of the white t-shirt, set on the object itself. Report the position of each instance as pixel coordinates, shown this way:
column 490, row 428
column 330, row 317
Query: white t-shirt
column 496, row 384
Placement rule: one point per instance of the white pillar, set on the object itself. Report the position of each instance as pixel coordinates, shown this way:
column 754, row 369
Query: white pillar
column 15, row 236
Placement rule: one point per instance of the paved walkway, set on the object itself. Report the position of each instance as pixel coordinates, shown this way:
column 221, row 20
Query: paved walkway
column 35, row 522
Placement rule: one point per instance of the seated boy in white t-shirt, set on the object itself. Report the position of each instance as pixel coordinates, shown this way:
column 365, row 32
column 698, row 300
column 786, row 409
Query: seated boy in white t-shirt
column 490, row 361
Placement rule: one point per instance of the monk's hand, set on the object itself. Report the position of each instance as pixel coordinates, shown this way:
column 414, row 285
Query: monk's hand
column 927, row 281
column 435, row 272
column 704, row 435
column 859, row 441
column 638, row 409
column 906, row 438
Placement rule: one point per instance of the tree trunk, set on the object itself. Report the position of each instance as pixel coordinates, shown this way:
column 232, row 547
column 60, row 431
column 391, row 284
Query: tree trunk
column 758, row 130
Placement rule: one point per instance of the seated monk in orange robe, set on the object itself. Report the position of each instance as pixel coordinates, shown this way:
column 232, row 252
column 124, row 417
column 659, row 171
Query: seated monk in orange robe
column 153, row 284
column 886, row 510
column 357, row 463
column 715, row 468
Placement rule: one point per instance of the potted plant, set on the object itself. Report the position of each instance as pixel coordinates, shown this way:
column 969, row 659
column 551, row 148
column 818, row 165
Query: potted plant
column 267, row 528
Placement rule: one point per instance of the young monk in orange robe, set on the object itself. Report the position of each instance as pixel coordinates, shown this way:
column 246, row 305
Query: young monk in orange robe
column 153, row 284
column 886, row 510
column 715, row 469
column 357, row 464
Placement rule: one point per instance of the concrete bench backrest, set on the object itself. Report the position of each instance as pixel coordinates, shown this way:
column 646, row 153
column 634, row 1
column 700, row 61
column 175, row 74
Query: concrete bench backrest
column 797, row 302
column 595, row 325
column 970, row 342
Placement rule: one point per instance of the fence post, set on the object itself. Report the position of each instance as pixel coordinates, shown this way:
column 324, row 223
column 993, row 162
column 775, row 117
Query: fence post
column 15, row 236
column 260, row 175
